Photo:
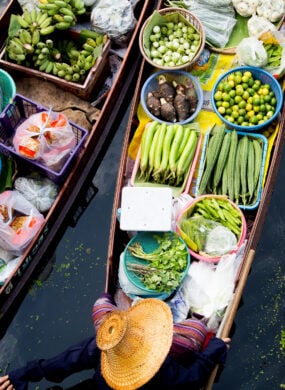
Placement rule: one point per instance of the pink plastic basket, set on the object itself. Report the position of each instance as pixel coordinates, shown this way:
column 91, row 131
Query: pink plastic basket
column 190, row 205
column 17, row 112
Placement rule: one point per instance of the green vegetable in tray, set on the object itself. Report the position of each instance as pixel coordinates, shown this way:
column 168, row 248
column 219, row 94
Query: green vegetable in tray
column 163, row 160
column 166, row 263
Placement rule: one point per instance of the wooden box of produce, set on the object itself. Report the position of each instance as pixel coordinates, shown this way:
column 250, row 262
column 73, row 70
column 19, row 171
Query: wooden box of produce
column 167, row 156
column 66, row 40
column 233, row 165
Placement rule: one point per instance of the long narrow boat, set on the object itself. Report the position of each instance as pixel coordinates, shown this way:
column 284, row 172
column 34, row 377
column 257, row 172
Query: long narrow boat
column 118, row 238
column 112, row 105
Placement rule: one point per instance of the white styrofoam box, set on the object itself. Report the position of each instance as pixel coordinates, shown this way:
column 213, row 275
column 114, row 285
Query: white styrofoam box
column 146, row 209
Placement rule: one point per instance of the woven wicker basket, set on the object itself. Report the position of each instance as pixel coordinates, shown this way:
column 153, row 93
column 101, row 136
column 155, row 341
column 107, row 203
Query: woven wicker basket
column 195, row 22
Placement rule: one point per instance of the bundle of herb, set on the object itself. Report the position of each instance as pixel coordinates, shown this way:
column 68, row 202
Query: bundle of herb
column 167, row 263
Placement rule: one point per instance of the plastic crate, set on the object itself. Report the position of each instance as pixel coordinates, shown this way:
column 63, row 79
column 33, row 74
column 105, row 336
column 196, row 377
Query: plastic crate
column 264, row 151
column 17, row 112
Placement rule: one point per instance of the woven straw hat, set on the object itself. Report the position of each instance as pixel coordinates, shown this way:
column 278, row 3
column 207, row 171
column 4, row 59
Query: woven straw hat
column 135, row 343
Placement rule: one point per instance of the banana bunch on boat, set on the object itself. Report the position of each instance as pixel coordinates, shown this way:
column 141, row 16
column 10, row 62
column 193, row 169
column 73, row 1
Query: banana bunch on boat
column 167, row 152
column 63, row 12
column 31, row 27
column 63, row 58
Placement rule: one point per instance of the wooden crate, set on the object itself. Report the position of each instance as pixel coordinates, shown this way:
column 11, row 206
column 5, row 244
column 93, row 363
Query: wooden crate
column 81, row 90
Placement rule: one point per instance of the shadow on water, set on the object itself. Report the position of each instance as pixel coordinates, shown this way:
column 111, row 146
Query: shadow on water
column 56, row 311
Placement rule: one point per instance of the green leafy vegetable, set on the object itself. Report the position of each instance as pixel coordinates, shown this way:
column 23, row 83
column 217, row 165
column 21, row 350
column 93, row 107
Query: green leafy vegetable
column 167, row 263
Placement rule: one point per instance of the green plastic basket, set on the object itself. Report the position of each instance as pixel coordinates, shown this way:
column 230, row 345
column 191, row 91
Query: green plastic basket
column 149, row 243
column 7, row 89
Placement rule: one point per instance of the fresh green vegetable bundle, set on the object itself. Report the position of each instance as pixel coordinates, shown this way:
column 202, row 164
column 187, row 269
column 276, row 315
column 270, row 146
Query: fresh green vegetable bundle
column 167, row 152
column 233, row 164
column 164, row 266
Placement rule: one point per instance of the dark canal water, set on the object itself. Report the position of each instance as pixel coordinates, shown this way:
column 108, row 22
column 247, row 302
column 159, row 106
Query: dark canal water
column 57, row 310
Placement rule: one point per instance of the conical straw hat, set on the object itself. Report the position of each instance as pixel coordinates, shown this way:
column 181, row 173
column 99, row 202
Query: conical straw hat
column 135, row 343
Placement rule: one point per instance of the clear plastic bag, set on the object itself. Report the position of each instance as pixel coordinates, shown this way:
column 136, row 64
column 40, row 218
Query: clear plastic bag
column 250, row 51
column 207, row 237
column 47, row 137
column 114, row 18
column 19, row 222
column 257, row 25
column 218, row 21
column 40, row 191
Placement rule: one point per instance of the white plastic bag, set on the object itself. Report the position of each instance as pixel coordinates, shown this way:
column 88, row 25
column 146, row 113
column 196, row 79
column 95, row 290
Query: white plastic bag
column 250, row 51
column 114, row 18
column 19, row 222
column 47, row 137
column 40, row 191
column 257, row 25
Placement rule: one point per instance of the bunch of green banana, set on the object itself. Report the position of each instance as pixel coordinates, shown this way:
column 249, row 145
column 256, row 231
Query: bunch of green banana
column 63, row 12
column 63, row 58
column 38, row 22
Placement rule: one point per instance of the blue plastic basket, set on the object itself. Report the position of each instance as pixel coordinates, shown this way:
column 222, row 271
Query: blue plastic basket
column 180, row 76
column 149, row 244
column 259, row 74
column 7, row 89
column 17, row 112
column 264, row 141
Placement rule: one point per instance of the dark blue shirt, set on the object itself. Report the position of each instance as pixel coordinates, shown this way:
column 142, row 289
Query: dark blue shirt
column 86, row 355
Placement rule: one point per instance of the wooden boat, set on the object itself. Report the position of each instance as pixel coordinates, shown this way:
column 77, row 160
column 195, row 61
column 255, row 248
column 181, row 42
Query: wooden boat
column 118, row 239
column 113, row 103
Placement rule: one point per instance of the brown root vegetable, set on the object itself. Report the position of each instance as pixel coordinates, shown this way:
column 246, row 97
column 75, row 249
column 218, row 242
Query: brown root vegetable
column 166, row 89
column 153, row 104
column 181, row 104
column 167, row 111
column 191, row 95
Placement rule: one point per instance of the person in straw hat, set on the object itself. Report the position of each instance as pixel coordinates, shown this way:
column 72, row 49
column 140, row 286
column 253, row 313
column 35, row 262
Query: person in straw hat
column 136, row 348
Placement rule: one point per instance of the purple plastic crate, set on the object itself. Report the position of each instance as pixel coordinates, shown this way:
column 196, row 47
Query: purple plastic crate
column 17, row 112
